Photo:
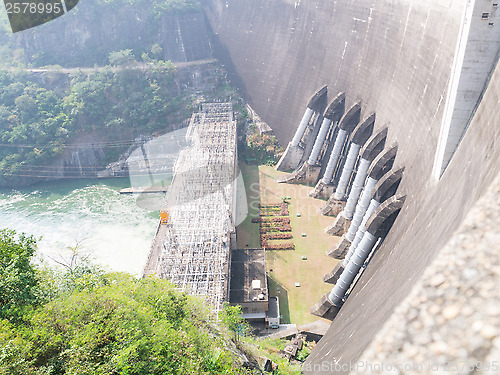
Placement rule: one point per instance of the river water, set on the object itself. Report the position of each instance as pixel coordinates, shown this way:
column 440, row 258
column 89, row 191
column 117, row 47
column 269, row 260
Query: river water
column 111, row 228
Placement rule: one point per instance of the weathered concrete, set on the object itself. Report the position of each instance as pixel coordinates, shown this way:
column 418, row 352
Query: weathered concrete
column 339, row 226
column 415, row 239
column 306, row 173
column 453, row 309
column 290, row 158
column 322, row 190
column 333, row 276
column 333, row 207
column 325, row 308
column 388, row 185
column 477, row 55
column 340, row 250
column 382, row 219
column 318, row 328
column 395, row 57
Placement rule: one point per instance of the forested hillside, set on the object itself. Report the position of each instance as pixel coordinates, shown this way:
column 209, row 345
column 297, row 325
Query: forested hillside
column 79, row 319
column 101, row 73
column 39, row 115
column 86, row 321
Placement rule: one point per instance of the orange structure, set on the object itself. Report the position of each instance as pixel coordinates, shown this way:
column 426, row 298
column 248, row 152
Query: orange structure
column 163, row 217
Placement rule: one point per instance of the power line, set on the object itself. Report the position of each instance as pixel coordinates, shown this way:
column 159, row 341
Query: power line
column 76, row 176
column 77, row 145
column 48, row 168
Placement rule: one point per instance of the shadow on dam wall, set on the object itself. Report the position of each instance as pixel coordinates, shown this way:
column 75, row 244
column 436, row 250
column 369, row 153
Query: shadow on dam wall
column 221, row 52
column 395, row 58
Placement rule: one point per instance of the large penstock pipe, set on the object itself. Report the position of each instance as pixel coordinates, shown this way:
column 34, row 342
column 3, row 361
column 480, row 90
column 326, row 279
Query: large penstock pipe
column 355, row 263
column 318, row 143
column 361, row 229
column 334, row 156
column 361, row 208
column 359, row 137
column 302, row 127
column 352, row 156
column 357, row 187
column 332, row 113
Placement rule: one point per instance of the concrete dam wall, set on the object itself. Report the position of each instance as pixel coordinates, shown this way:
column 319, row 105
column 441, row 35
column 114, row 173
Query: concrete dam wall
column 427, row 70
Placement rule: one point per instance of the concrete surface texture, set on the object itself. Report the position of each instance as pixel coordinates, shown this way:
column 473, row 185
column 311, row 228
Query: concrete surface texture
column 397, row 58
column 450, row 321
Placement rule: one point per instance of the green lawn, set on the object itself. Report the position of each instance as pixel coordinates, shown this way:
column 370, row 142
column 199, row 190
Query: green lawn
column 247, row 232
column 286, row 267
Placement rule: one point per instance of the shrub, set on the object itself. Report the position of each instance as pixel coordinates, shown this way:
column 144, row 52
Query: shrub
column 285, row 220
column 281, row 246
column 127, row 327
column 279, row 236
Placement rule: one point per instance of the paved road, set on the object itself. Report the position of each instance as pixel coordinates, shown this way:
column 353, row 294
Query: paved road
column 142, row 66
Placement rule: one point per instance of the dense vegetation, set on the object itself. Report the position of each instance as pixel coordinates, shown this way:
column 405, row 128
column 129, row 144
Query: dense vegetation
column 85, row 321
column 19, row 282
column 39, row 117
column 261, row 148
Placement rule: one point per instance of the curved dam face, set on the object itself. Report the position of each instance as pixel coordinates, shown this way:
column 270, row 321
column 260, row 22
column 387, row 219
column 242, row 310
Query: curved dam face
column 393, row 56
column 405, row 61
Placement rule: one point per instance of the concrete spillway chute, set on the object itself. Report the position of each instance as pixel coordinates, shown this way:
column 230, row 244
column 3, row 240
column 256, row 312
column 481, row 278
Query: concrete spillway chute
column 309, row 171
column 297, row 148
column 378, row 225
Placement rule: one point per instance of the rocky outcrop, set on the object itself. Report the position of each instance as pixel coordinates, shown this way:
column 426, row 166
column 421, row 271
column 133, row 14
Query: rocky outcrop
column 90, row 32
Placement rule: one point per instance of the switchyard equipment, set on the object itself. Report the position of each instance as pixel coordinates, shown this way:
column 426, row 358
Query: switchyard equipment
column 193, row 249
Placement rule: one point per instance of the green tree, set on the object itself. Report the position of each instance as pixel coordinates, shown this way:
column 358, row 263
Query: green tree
column 123, row 57
column 19, row 282
column 157, row 51
column 231, row 317
column 26, row 105
column 127, row 326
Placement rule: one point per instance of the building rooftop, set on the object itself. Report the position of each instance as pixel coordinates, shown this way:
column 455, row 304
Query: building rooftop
column 248, row 276
column 274, row 309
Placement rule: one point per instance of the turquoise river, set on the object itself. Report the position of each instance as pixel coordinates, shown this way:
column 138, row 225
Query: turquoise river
column 110, row 228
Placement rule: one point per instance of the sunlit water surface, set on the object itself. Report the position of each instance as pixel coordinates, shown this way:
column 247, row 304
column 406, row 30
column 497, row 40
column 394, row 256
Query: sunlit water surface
column 110, row 227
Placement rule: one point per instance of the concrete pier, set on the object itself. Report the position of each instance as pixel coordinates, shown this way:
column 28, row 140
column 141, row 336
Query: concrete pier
column 295, row 150
column 309, row 172
column 346, row 126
